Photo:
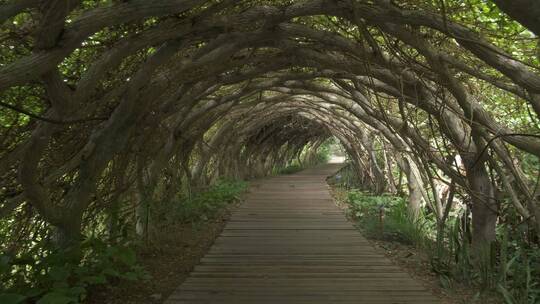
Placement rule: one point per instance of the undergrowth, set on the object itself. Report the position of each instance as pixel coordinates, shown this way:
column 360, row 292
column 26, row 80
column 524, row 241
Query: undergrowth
column 52, row 276
column 48, row 275
column 290, row 169
column 510, row 267
column 200, row 207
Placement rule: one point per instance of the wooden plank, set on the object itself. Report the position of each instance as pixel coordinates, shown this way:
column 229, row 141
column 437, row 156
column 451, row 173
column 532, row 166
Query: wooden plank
column 289, row 243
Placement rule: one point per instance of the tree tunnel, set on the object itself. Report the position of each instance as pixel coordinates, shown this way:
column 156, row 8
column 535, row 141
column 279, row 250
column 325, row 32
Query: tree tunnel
column 111, row 104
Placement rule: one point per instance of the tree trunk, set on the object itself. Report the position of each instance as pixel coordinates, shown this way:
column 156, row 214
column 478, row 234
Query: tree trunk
column 526, row 12
column 67, row 234
column 484, row 205
column 415, row 185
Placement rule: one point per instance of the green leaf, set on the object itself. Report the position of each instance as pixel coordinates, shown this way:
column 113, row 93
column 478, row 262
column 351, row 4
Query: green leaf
column 130, row 276
column 95, row 279
column 126, row 256
column 77, row 291
column 508, row 298
column 59, row 273
column 56, row 298
column 11, row 298
column 34, row 292
column 111, row 272
column 60, row 285
column 446, row 283
column 4, row 264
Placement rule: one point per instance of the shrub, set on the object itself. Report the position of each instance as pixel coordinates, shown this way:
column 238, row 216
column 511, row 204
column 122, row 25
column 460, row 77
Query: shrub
column 65, row 276
column 510, row 266
column 384, row 216
column 290, row 169
column 204, row 205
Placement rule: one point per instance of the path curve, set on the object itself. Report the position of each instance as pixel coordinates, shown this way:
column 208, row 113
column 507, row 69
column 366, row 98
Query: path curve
column 289, row 243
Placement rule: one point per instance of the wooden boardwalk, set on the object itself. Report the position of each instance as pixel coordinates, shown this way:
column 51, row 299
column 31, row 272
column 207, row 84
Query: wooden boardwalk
column 289, row 243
